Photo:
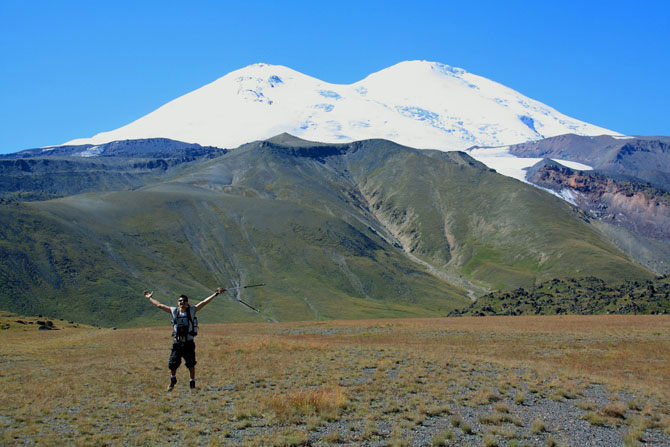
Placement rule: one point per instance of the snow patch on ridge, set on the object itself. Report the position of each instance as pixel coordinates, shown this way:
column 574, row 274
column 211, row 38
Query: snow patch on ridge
column 568, row 195
column 500, row 159
column 90, row 152
column 503, row 162
column 574, row 165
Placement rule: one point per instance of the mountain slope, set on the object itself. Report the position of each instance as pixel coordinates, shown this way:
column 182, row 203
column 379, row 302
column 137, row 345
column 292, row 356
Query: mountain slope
column 643, row 159
column 40, row 174
column 417, row 103
column 367, row 229
column 483, row 226
column 622, row 183
column 635, row 215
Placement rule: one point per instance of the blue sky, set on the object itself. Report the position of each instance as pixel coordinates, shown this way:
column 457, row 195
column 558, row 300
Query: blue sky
column 71, row 69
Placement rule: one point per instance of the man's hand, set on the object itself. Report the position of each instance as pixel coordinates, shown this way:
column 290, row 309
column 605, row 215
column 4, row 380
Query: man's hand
column 149, row 295
column 204, row 302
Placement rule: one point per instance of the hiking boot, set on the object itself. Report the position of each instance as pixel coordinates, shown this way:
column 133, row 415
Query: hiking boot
column 192, row 384
column 173, row 382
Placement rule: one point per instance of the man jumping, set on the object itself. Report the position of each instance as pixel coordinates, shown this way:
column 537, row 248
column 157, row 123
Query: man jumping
column 185, row 328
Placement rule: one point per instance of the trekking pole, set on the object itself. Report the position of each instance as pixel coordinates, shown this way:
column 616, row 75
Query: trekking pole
column 246, row 287
column 252, row 308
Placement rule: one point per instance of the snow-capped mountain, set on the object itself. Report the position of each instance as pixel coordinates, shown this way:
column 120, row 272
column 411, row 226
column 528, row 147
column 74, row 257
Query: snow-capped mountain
column 417, row 103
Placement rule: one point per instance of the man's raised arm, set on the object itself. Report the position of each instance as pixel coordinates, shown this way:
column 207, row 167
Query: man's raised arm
column 204, row 302
column 161, row 306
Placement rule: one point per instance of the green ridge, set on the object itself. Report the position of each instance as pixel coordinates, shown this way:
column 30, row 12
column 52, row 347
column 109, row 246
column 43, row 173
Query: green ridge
column 363, row 230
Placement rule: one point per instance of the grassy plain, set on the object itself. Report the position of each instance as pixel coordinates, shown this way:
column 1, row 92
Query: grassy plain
column 451, row 381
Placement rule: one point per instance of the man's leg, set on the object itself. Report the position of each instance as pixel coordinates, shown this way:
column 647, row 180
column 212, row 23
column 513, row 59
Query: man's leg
column 173, row 364
column 189, row 357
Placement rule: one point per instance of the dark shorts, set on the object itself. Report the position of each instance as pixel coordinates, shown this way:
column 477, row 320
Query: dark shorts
column 185, row 350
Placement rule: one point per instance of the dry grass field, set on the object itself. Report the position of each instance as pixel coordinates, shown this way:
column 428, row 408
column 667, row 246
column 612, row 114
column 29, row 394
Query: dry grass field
column 506, row 381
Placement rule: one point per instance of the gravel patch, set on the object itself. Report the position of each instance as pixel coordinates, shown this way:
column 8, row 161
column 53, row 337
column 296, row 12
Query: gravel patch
column 562, row 420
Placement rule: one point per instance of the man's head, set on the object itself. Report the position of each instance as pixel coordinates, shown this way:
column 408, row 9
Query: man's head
column 183, row 301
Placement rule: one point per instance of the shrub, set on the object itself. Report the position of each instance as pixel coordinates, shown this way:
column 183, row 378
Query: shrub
column 441, row 439
column 498, row 419
column 437, row 410
column 487, row 396
column 491, row 419
column 633, row 437
column 291, row 439
column 594, row 418
column 615, row 410
column 397, row 439
column 370, row 430
column 519, row 398
column 333, row 436
column 538, row 427
column 586, row 405
column 502, row 408
column 467, row 428
column 490, row 440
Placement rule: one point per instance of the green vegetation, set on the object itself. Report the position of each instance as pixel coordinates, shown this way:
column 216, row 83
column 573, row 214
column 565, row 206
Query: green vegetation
column 364, row 230
column 585, row 296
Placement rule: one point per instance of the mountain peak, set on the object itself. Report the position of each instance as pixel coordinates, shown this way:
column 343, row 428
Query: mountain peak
column 286, row 139
column 263, row 70
column 424, row 66
column 416, row 103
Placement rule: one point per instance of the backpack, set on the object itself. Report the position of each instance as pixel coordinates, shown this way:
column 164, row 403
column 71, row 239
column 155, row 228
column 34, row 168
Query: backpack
column 183, row 327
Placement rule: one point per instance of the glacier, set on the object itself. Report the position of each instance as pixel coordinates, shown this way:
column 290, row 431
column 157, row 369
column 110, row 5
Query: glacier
column 422, row 104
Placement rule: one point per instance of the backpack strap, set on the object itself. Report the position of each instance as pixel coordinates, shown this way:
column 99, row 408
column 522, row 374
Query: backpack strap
column 191, row 321
column 173, row 311
column 188, row 315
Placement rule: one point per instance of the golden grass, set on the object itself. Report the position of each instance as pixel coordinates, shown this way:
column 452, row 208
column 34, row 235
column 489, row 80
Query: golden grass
column 292, row 405
column 615, row 410
column 265, row 384
column 538, row 426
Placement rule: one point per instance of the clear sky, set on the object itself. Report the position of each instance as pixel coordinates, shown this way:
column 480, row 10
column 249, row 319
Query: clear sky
column 71, row 69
